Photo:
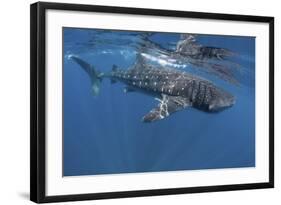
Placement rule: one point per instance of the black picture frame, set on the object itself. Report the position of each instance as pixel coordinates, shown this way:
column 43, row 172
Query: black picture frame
column 38, row 101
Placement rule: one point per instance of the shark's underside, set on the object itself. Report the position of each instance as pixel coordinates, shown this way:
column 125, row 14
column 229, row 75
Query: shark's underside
column 174, row 89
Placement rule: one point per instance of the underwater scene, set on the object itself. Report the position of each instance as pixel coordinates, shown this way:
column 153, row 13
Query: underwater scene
column 138, row 101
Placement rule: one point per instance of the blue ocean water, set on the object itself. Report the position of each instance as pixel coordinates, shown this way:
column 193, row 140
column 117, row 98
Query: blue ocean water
column 104, row 134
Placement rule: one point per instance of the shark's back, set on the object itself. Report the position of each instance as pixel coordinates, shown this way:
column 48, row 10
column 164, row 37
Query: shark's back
column 174, row 89
column 200, row 92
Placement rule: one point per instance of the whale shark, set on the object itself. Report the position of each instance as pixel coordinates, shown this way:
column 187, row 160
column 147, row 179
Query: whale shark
column 174, row 90
column 188, row 50
column 188, row 46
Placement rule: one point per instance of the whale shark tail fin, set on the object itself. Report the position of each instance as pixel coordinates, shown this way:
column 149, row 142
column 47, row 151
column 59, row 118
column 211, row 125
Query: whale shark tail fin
column 95, row 76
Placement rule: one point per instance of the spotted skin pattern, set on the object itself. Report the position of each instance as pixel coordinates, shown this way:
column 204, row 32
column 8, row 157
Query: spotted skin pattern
column 173, row 89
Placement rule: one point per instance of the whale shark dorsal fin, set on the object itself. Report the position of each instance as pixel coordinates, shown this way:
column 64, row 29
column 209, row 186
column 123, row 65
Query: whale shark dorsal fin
column 167, row 105
column 140, row 62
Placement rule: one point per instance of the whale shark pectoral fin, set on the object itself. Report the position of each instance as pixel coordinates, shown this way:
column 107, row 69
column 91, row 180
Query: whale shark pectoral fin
column 167, row 106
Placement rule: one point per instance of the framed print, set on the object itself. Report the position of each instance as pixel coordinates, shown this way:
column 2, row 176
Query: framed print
column 129, row 102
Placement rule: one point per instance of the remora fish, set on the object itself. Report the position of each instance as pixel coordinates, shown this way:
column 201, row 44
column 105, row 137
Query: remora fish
column 174, row 89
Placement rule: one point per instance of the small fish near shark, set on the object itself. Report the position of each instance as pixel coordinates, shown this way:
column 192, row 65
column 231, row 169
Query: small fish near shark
column 175, row 90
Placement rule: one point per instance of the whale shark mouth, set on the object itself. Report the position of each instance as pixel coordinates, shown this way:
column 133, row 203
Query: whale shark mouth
column 222, row 104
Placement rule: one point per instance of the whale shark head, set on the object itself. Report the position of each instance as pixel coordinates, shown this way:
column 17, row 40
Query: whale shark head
column 222, row 101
